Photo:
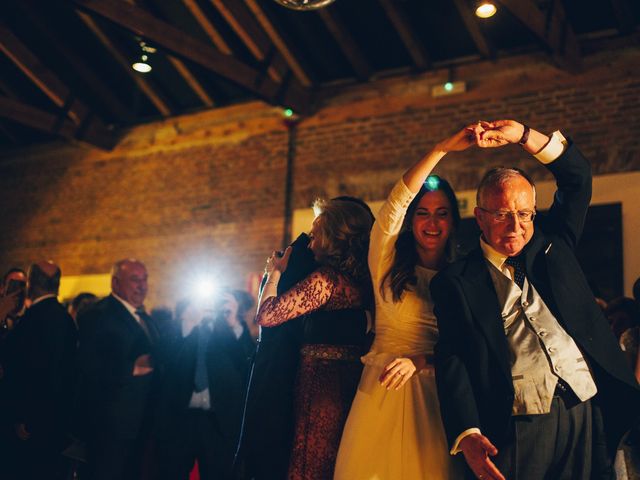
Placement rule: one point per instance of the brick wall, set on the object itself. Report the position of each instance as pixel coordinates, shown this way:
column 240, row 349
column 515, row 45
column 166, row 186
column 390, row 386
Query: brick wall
column 206, row 191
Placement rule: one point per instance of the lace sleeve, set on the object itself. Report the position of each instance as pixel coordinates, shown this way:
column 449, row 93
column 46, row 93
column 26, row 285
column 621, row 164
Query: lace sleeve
column 324, row 288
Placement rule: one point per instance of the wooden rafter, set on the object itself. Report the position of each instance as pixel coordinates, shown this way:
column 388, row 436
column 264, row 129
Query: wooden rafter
column 49, row 83
column 624, row 15
column 164, row 35
column 41, row 76
column 473, row 27
column 207, row 26
column 55, row 124
column 93, row 81
column 154, row 97
column 257, row 42
column 191, row 80
column 400, row 22
column 345, row 40
column 186, row 74
column 278, row 40
column 552, row 28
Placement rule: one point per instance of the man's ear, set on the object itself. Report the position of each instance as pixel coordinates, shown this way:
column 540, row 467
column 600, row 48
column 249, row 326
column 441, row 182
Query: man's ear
column 476, row 213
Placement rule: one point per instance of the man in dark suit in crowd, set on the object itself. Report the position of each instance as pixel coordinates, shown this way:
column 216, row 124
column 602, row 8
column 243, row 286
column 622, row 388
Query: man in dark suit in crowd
column 201, row 398
column 41, row 375
column 528, row 371
column 117, row 358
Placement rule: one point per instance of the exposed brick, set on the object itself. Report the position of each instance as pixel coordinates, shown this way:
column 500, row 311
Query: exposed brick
column 206, row 191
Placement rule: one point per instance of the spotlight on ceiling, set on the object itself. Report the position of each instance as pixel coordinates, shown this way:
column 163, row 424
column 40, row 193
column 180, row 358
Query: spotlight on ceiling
column 304, row 4
column 485, row 9
column 142, row 63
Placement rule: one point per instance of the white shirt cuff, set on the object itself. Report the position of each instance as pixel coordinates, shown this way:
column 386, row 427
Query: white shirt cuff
column 456, row 446
column 552, row 150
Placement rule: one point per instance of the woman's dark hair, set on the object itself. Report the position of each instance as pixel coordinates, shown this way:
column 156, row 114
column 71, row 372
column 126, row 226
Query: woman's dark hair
column 401, row 275
column 343, row 230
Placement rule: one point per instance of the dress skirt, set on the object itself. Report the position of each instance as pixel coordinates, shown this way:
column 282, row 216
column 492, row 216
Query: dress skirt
column 327, row 380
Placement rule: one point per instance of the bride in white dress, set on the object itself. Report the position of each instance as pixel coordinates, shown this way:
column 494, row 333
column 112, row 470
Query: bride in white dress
column 394, row 430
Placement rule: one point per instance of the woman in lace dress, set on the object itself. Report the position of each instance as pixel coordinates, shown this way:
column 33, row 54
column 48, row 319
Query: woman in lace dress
column 333, row 299
column 394, row 431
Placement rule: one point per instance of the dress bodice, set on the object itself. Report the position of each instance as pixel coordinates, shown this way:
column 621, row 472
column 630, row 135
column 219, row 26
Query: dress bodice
column 336, row 327
column 406, row 327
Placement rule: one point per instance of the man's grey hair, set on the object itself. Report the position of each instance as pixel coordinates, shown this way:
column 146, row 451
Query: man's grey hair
column 115, row 269
column 498, row 177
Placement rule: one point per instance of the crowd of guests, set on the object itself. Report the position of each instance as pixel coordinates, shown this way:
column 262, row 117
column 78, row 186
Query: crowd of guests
column 383, row 353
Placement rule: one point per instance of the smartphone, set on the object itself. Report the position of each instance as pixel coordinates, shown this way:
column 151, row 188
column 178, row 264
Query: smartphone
column 17, row 286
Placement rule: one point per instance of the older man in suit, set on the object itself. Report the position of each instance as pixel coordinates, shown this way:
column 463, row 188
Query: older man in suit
column 116, row 361
column 41, row 376
column 527, row 369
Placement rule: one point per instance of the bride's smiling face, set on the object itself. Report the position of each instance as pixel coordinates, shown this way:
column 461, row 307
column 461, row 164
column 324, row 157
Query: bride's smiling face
column 432, row 221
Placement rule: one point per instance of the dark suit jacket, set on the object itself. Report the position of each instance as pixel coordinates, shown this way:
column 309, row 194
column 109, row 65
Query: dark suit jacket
column 227, row 366
column 112, row 402
column 41, row 374
column 473, row 371
column 269, row 410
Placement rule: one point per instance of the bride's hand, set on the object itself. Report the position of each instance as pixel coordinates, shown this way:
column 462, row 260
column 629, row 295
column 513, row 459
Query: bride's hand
column 397, row 373
column 461, row 140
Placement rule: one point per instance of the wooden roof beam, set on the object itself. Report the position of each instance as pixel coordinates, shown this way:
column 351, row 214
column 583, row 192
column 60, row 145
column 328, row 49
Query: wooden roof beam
column 93, row 81
column 279, row 42
column 155, row 98
column 400, row 22
column 55, row 124
column 191, row 80
column 48, row 82
column 207, row 26
column 173, row 39
column 345, row 40
column 186, row 74
column 40, row 75
column 257, row 42
column 552, row 28
column 473, row 27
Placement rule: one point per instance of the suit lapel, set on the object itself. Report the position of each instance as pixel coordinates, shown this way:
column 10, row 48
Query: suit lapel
column 484, row 304
column 126, row 318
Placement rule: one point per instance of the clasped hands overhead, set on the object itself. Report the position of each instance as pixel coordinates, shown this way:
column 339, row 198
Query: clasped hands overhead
column 484, row 134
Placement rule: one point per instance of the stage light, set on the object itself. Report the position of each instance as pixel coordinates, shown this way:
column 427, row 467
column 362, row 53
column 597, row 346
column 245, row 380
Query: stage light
column 448, row 86
column 288, row 113
column 204, row 288
column 485, row 9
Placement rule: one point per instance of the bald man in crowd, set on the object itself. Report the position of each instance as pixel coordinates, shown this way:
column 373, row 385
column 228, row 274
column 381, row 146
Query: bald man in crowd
column 41, row 375
column 116, row 362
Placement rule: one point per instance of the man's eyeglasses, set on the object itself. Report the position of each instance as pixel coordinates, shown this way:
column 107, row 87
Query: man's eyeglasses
column 524, row 216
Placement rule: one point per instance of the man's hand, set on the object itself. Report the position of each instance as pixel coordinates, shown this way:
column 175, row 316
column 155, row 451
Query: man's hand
column 8, row 303
column 498, row 133
column 476, row 449
column 278, row 261
column 143, row 365
column 22, row 432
